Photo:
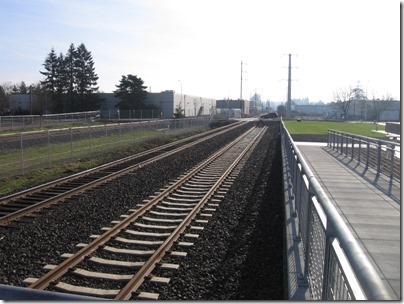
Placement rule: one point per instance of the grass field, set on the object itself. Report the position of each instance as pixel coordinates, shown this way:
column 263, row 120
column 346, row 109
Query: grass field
column 53, row 161
column 322, row 127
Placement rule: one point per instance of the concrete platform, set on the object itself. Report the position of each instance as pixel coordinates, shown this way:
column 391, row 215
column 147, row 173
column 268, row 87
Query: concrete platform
column 371, row 214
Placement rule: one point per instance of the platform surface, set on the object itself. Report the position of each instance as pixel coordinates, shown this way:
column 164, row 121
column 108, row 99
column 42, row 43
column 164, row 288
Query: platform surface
column 371, row 214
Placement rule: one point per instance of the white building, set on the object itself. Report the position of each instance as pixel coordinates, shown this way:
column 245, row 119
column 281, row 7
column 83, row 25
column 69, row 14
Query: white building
column 168, row 101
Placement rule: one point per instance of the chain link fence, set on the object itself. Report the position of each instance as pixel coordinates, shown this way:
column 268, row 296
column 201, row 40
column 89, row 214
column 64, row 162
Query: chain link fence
column 32, row 122
column 25, row 152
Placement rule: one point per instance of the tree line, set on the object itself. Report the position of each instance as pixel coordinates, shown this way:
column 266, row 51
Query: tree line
column 354, row 104
column 349, row 104
column 70, row 85
column 70, row 80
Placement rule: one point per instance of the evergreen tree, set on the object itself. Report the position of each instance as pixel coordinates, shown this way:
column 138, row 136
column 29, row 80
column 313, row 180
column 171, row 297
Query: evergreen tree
column 54, row 82
column 86, row 82
column 131, row 92
column 70, row 77
column 4, row 106
column 58, row 100
column 71, row 80
column 51, row 77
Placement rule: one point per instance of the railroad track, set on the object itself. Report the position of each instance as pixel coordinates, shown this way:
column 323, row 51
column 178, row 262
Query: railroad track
column 144, row 244
column 15, row 206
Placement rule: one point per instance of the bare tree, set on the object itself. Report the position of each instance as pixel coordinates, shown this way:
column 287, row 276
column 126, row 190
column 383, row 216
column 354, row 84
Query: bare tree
column 382, row 105
column 342, row 101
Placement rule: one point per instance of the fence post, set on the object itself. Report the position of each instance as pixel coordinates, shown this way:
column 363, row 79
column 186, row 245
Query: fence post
column 22, row 154
column 49, row 162
column 89, row 138
column 120, row 136
column 71, row 143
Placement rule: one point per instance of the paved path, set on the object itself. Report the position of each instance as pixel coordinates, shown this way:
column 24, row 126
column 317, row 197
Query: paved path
column 372, row 215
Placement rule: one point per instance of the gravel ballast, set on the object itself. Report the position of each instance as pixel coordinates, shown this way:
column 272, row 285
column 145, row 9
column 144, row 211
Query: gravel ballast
column 239, row 254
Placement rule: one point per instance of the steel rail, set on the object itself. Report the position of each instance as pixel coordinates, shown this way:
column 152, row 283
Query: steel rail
column 77, row 257
column 142, row 273
column 39, row 205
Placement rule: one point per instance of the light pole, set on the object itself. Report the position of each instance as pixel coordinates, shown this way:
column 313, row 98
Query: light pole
column 181, row 95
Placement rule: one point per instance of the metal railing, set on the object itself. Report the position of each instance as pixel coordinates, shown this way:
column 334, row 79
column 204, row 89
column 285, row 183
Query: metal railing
column 335, row 266
column 380, row 155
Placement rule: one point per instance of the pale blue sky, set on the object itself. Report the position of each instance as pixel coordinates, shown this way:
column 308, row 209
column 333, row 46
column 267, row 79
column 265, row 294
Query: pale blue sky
column 202, row 43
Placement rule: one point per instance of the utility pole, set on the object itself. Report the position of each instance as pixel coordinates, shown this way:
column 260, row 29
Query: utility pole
column 289, row 102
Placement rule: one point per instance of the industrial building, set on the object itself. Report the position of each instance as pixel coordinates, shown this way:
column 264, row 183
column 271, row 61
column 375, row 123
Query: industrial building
column 233, row 107
column 167, row 101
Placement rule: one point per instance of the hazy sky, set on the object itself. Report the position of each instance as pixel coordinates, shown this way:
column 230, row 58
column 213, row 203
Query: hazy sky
column 202, row 43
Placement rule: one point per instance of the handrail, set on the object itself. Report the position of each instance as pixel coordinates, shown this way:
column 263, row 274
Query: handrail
column 333, row 228
column 372, row 139
column 380, row 155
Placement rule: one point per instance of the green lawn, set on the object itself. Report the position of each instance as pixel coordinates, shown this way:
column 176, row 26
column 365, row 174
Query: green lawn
column 51, row 161
column 322, row 127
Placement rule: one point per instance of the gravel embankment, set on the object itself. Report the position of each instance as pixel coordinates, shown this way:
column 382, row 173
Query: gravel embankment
column 239, row 255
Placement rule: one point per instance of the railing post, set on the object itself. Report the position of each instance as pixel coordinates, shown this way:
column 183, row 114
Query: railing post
column 359, row 150
column 352, row 148
column 379, row 156
column 333, row 138
column 342, row 143
column 337, row 140
column 393, row 149
column 367, row 155
column 306, row 241
column 326, row 265
column 328, row 139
